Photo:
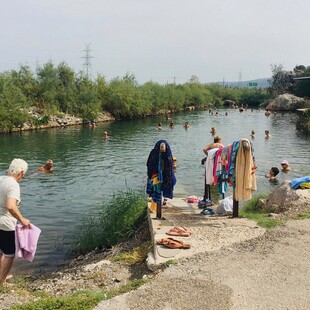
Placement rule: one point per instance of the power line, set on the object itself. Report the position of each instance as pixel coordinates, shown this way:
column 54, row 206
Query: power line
column 240, row 78
column 87, row 57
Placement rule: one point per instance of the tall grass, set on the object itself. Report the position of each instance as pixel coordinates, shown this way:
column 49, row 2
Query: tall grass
column 116, row 220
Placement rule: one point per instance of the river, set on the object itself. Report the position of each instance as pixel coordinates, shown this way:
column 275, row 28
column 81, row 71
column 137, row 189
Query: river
column 90, row 170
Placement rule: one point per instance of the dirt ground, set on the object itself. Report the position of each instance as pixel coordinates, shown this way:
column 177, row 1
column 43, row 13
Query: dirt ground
column 271, row 271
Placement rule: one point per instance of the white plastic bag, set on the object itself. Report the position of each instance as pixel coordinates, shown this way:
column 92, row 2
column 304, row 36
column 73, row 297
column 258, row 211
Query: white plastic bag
column 225, row 206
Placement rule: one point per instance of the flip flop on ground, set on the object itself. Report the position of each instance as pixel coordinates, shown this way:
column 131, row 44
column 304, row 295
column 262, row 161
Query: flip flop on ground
column 179, row 231
column 173, row 243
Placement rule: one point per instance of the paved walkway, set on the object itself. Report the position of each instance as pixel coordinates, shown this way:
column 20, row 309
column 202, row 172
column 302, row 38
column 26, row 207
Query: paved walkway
column 178, row 212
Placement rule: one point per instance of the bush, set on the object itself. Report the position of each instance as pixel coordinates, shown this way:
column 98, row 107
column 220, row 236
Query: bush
column 116, row 221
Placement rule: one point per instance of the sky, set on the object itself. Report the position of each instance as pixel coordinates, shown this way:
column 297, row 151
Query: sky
column 164, row 41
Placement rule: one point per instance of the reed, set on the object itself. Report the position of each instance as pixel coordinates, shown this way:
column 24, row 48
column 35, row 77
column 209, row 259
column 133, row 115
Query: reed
column 115, row 221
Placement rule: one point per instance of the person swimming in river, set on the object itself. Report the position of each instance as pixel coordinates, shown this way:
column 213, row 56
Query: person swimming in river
column 213, row 131
column 252, row 134
column 267, row 134
column 285, row 166
column 186, row 125
column 272, row 176
column 105, row 135
column 48, row 167
column 171, row 125
column 159, row 126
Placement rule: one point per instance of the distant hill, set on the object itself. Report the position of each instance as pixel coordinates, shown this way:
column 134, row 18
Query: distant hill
column 257, row 83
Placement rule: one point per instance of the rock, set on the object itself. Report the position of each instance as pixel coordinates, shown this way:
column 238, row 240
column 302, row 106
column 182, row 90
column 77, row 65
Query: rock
column 273, row 215
column 261, row 202
column 285, row 199
column 104, row 117
column 287, row 102
column 229, row 103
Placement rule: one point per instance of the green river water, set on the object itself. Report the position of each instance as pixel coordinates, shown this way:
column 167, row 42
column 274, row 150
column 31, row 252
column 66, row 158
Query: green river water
column 89, row 170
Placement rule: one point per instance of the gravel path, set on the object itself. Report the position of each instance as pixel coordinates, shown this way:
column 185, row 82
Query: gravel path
column 271, row 271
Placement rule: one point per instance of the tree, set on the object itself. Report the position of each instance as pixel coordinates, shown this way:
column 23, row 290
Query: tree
column 88, row 102
column 24, row 79
column 281, row 81
column 49, row 85
column 66, row 95
column 13, row 107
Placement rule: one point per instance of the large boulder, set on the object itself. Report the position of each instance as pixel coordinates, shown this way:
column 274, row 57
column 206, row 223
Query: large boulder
column 229, row 103
column 284, row 199
column 287, row 102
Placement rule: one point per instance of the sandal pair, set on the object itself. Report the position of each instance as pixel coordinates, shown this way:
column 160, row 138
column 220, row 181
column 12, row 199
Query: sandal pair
column 173, row 243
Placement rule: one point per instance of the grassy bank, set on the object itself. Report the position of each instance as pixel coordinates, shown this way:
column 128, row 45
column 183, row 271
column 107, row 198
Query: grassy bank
column 253, row 211
column 115, row 221
column 119, row 223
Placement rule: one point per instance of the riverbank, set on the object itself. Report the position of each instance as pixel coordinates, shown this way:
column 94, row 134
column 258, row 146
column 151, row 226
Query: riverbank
column 232, row 264
column 60, row 120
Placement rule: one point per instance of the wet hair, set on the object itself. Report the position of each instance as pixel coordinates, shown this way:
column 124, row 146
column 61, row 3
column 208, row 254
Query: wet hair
column 18, row 165
column 275, row 170
column 217, row 139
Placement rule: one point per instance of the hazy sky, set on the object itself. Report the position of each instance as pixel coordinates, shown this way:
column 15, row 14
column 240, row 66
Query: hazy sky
column 158, row 40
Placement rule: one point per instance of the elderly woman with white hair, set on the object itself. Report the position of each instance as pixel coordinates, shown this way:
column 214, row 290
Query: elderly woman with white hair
column 10, row 214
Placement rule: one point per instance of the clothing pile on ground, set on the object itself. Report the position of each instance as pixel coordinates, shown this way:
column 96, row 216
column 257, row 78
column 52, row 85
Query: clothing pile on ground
column 302, row 182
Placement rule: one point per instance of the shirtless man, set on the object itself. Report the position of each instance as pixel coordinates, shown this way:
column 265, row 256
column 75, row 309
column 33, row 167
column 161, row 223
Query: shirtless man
column 217, row 143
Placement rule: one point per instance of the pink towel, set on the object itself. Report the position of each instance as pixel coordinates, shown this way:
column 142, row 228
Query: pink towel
column 26, row 240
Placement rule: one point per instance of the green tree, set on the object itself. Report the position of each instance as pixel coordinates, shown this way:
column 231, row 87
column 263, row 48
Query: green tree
column 49, row 85
column 66, row 95
column 88, row 101
column 155, row 97
column 13, row 107
column 24, row 79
